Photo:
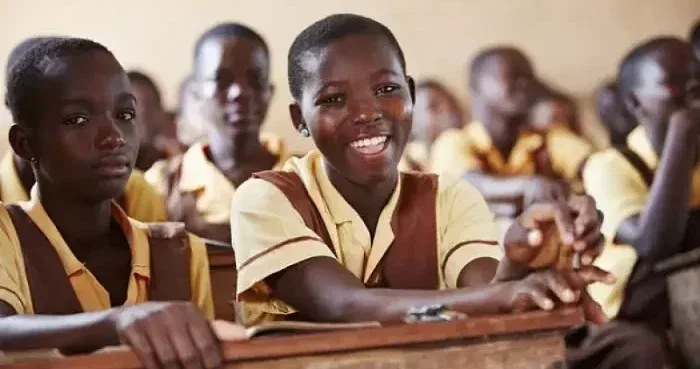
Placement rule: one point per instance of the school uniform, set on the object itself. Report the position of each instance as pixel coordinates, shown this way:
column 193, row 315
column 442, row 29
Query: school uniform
column 39, row 274
column 193, row 172
column 556, row 152
column 140, row 200
column 430, row 229
column 415, row 157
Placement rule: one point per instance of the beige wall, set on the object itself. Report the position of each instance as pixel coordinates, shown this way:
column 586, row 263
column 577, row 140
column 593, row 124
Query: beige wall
column 575, row 43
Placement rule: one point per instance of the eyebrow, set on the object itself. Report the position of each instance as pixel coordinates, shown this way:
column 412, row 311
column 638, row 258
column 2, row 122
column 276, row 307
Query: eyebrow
column 327, row 85
column 124, row 96
column 383, row 71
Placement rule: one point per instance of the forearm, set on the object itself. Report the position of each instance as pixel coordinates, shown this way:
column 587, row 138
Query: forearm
column 498, row 189
column 68, row 333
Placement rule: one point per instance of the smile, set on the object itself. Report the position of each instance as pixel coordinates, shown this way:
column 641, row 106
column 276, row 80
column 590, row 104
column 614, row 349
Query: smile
column 369, row 145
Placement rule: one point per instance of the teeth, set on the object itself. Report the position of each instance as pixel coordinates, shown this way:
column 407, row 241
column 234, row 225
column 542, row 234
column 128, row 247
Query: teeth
column 365, row 142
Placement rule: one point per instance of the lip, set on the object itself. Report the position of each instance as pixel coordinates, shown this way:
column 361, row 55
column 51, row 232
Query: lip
column 370, row 155
column 113, row 166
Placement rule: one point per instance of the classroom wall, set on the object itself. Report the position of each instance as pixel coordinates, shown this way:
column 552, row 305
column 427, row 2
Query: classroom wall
column 574, row 43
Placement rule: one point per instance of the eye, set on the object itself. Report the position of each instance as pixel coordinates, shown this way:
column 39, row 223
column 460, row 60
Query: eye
column 386, row 89
column 336, row 99
column 76, row 120
column 126, row 116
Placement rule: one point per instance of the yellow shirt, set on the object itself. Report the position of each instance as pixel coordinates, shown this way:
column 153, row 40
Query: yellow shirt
column 200, row 176
column 15, row 289
column 141, row 200
column 269, row 235
column 415, row 157
column 621, row 192
column 457, row 152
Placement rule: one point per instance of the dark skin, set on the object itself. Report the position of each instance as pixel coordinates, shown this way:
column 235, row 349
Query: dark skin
column 502, row 97
column 233, row 85
column 356, row 89
column 85, row 143
column 436, row 110
column 613, row 113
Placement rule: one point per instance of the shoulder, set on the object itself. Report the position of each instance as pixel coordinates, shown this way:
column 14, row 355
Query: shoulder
column 450, row 186
column 257, row 193
column 607, row 161
column 564, row 137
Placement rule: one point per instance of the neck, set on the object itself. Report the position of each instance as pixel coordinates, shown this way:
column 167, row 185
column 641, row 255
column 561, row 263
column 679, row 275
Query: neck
column 227, row 152
column 367, row 199
column 656, row 134
column 503, row 129
column 25, row 172
column 80, row 222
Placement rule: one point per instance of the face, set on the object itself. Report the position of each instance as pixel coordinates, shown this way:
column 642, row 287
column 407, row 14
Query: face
column 232, row 79
column 433, row 113
column 507, row 83
column 84, row 137
column 613, row 114
column 664, row 80
column 357, row 106
column 151, row 115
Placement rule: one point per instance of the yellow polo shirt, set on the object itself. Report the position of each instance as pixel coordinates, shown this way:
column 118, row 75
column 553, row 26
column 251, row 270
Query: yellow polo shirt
column 141, row 200
column 269, row 235
column 15, row 289
column 621, row 192
column 200, row 176
column 457, row 152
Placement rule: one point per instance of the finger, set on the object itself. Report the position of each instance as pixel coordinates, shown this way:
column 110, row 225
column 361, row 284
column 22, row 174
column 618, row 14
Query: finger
column 560, row 286
column 140, row 345
column 186, row 349
column 565, row 224
column 227, row 331
column 592, row 310
column 539, row 298
column 591, row 274
column 521, row 244
column 157, row 332
column 204, row 337
column 594, row 249
column 547, row 212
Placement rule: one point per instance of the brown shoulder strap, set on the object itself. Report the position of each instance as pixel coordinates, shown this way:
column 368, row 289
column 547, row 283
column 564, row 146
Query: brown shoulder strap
column 543, row 161
column 293, row 188
column 170, row 262
column 638, row 163
column 51, row 290
column 411, row 261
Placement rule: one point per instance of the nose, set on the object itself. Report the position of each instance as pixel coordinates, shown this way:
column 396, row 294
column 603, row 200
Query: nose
column 367, row 111
column 109, row 134
column 237, row 91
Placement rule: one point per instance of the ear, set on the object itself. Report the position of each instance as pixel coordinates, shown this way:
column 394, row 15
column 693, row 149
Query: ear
column 411, row 88
column 297, row 118
column 21, row 142
column 633, row 105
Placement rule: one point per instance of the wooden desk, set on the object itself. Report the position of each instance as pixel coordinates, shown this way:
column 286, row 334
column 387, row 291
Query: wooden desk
column 222, row 267
column 525, row 341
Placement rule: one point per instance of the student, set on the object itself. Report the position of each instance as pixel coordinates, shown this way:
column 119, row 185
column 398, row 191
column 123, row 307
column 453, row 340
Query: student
column 554, row 108
column 511, row 165
column 613, row 113
column 436, row 110
column 71, row 250
column 649, row 193
column 140, row 200
column 232, row 81
column 695, row 40
column 157, row 140
column 309, row 240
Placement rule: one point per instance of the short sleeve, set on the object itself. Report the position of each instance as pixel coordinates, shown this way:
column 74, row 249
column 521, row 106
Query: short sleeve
column 200, row 280
column 155, row 176
column 619, row 191
column 268, row 236
column 568, row 152
column 451, row 154
column 466, row 227
column 13, row 285
column 142, row 201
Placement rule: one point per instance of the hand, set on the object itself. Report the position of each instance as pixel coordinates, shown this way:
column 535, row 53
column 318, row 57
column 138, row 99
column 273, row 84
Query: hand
column 568, row 286
column 539, row 189
column 549, row 234
column 167, row 335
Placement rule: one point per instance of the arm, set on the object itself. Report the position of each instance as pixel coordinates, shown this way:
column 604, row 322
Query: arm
column 512, row 190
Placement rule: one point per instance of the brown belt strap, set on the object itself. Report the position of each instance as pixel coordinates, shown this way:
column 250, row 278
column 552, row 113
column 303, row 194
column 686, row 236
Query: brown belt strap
column 170, row 262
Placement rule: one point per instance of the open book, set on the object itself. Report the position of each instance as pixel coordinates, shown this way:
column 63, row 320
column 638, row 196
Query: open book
column 284, row 328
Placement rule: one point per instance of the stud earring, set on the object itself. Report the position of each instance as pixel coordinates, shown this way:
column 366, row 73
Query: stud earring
column 33, row 160
column 305, row 132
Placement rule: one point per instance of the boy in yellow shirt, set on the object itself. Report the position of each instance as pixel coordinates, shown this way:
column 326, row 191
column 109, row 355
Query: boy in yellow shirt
column 342, row 235
column 76, row 273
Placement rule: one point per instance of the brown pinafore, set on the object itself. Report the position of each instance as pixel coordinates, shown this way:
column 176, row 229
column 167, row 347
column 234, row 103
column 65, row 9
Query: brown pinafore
column 411, row 260
column 51, row 290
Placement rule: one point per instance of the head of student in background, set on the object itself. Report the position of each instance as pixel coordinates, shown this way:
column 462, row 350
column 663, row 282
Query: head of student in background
column 347, row 74
column 74, row 115
column 695, row 42
column 502, row 81
column 655, row 80
column 231, row 80
column 613, row 113
column 554, row 108
column 149, row 106
column 436, row 110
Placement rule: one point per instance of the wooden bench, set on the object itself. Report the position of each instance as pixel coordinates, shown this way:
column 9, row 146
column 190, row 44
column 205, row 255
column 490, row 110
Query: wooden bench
column 222, row 266
column 525, row 341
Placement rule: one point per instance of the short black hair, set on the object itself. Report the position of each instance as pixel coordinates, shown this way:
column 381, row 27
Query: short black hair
column 141, row 77
column 26, row 76
column 628, row 76
column 228, row 29
column 327, row 30
column 19, row 50
column 480, row 61
column 695, row 36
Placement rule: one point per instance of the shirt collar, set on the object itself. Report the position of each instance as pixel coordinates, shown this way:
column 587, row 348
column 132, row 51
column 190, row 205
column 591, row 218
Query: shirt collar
column 638, row 141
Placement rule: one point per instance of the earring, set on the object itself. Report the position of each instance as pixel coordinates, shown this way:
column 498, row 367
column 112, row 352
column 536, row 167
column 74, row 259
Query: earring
column 33, row 160
column 305, row 132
